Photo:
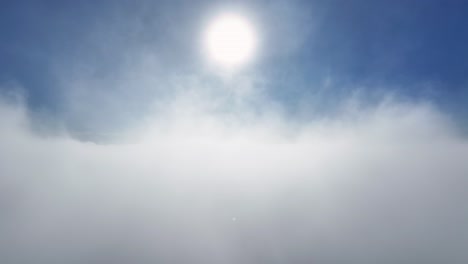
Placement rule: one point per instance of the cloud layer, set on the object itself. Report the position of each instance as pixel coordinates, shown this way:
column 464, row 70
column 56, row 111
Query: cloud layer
column 385, row 184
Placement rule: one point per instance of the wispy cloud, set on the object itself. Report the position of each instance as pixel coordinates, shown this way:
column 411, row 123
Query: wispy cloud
column 383, row 184
column 153, row 156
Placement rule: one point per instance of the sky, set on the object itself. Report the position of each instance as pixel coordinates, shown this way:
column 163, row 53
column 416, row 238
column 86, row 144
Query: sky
column 342, row 140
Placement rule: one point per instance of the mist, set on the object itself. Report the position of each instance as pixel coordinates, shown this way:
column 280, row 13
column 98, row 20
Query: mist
column 193, row 184
column 342, row 140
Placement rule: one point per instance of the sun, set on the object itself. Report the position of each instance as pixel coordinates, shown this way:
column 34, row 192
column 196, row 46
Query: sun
column 230, row 40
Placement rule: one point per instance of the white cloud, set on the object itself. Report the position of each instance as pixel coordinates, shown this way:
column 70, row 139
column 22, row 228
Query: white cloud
column 378, row 185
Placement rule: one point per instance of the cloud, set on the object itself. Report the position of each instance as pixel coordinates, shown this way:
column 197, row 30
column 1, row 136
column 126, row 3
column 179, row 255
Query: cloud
column 201, row 184
column 211, row 169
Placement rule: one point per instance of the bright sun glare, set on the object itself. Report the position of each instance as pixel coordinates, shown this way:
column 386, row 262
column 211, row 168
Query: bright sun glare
column 230, row 40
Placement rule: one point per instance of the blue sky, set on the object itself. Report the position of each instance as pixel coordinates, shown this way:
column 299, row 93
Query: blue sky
column 342, row 140
column 410, row 48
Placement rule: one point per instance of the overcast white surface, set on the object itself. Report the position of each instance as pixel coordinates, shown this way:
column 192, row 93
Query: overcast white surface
column 385, row 184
